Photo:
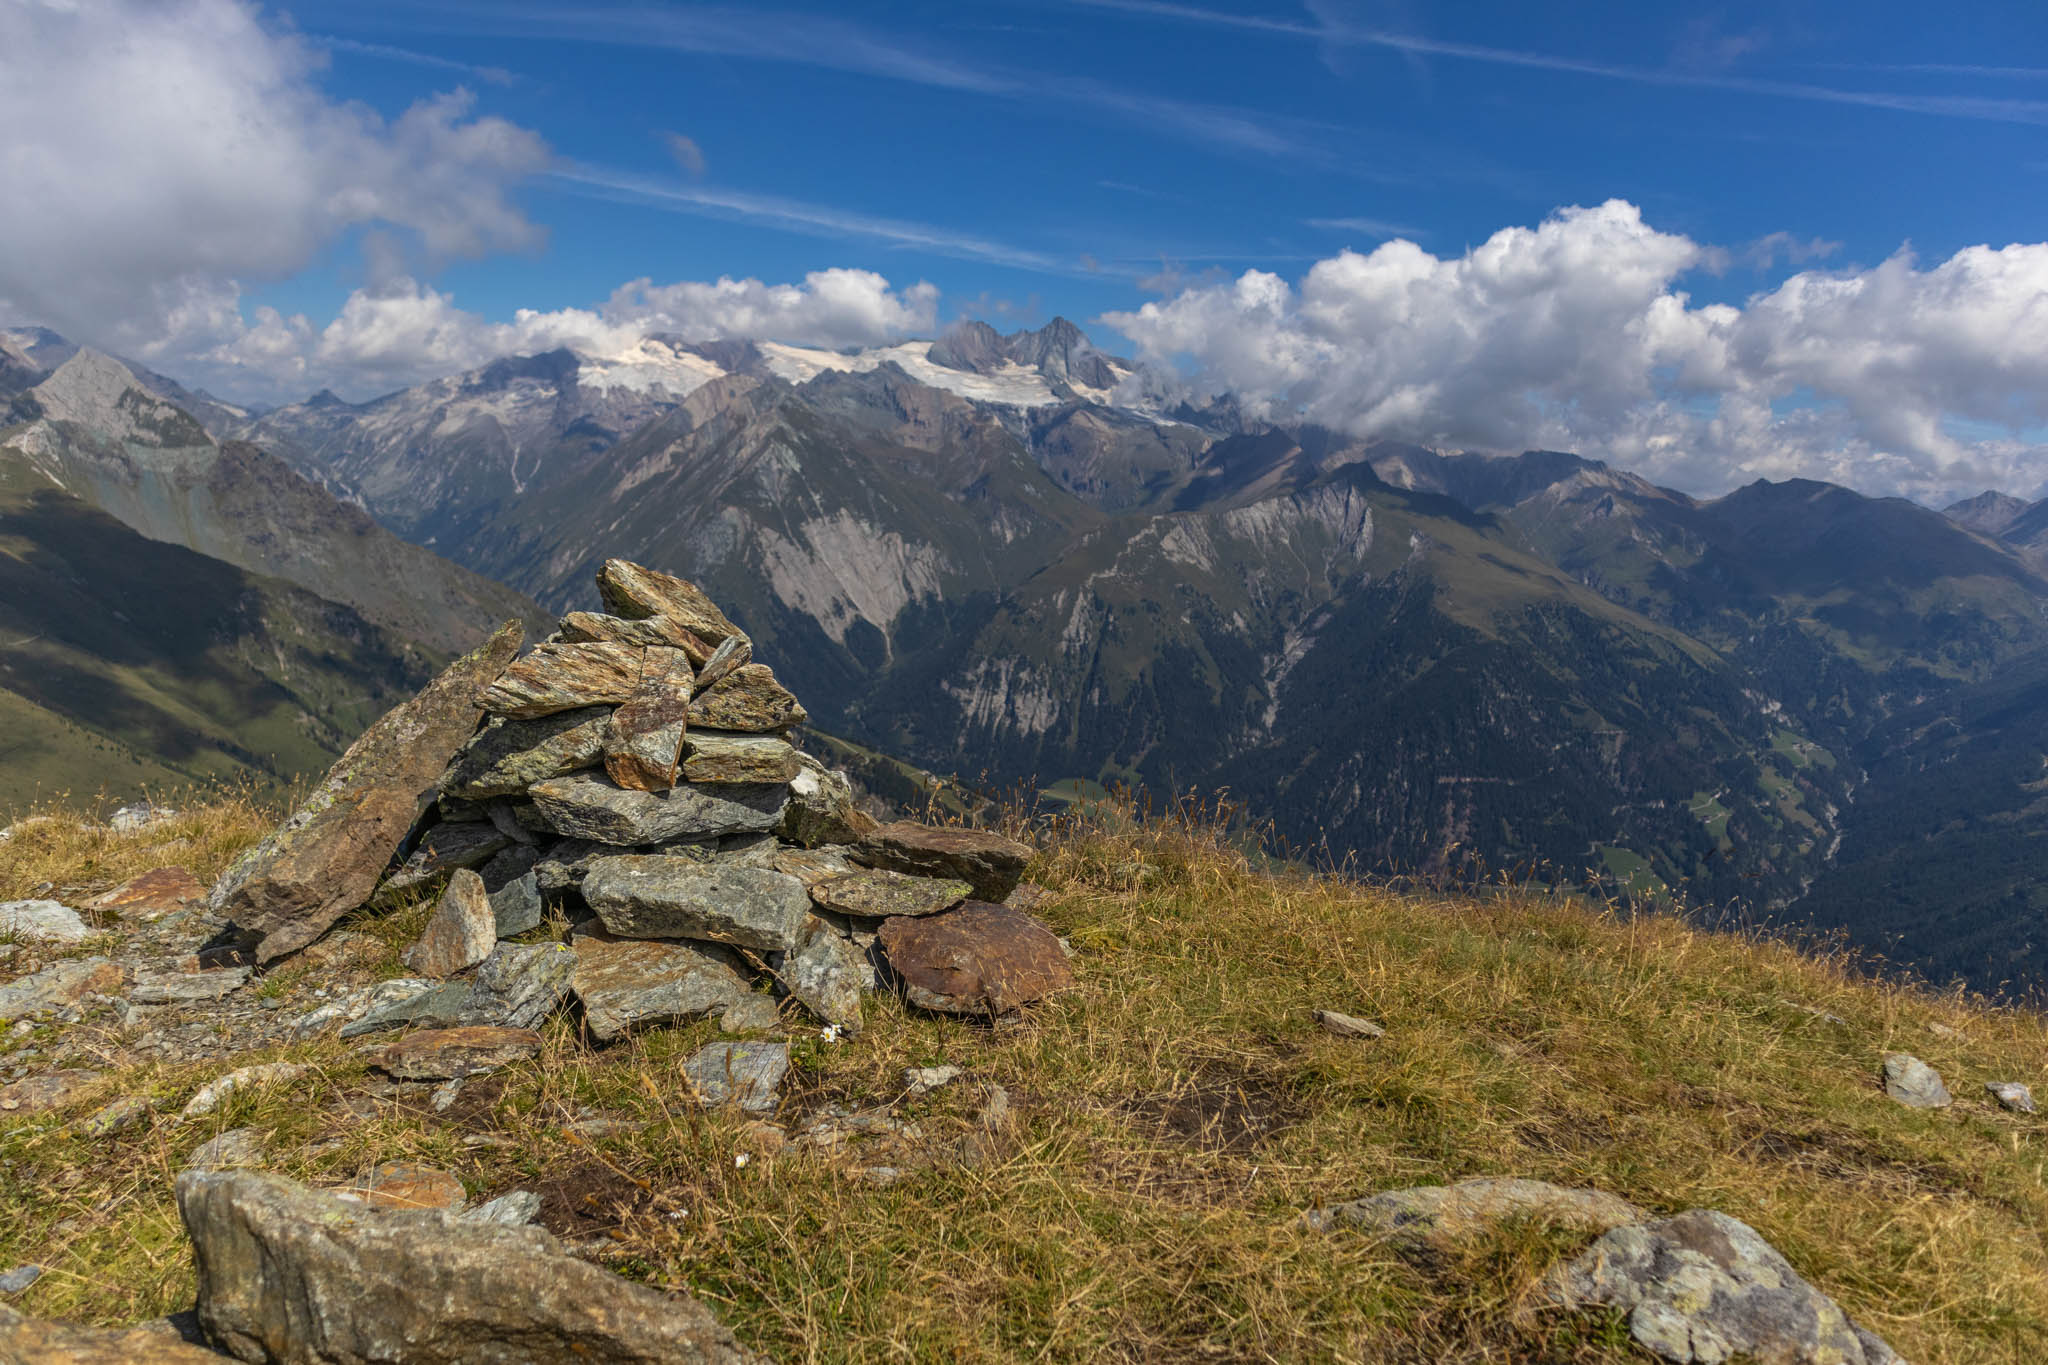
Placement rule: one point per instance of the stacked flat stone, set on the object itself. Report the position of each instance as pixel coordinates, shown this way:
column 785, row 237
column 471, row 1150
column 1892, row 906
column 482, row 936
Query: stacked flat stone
column 637, row 771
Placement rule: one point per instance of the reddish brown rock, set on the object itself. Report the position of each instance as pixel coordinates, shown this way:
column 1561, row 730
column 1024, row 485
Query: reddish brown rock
column 643, row 740
column 461, row 932
column 988, row 862
column 326, row 858
column 408, row 1185
column 637, row 593
column 157, row 892
column 748, row 699
column 446, row 1054
column 563, row 677
column 978, row 959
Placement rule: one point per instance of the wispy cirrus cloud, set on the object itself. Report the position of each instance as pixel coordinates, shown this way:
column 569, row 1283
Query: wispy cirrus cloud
column 493, row 75
column 1370, row 227
column 833, row 44
column 817, row 220
column 1990, row 108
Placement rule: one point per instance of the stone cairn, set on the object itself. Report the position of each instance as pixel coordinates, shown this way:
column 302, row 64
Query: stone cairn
column 636, row 772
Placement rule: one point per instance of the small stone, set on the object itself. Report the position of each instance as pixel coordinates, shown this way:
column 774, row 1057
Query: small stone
column 516, row 907
column 824, row 973
column 821, row 809
column 514, row 1210
column 643, row 739
column 189, row 988
column 2013, row 1095
column 142, row 815
column 156, row 893
column 20, row 1278
column 592, row 806
column 627, row 984
column 996, row 1115
column 636, row 593
column 919, row 1080
column 212, row 1094
column 518, row 985
column 237, row 1147
column 748, row 699
column 1348, row 1026
column 1028, row 896
column 454, row 1053
column 1941, row 1030
column 461, row 932
column 564, row 865
column 408, row 1185
column 388, row 1004
column 653, row 896
column 748, row 1074
column 978, row 959
column 875, row 894
column 123, row 1114
column 1440, row 1215
column 509, row 864
column 988, row 862
column 38, row 1094
column 518, row 821
column 1913, row 1083
column 719, row 757
column 58, row 985
column 557, row 678
column 750, row 1014
column 1705, row 1287
column 733, row 652
column 442, row 850
column 42, row 921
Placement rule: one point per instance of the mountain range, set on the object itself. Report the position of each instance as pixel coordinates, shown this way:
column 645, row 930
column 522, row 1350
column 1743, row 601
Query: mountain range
column 1002, row 557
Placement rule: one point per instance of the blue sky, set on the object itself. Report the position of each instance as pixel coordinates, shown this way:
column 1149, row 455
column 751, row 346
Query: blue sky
column 1093, row 147
column 1714, row 243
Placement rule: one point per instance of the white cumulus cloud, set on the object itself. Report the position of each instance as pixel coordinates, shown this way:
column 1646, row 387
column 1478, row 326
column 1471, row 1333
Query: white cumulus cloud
column 158, row 150
column 1574, row 334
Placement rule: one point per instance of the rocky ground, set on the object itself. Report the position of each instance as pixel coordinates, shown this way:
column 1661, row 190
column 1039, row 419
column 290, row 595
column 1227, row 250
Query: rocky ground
column 579, row 1015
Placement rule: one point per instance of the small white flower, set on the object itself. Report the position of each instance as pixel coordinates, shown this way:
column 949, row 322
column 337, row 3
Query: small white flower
column 830, row 1033
column 741, row 1159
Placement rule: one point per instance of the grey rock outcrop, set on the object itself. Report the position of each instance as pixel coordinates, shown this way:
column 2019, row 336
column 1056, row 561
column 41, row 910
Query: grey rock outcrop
column 295, row 1275
column 627, row 984
column 1705, row 1287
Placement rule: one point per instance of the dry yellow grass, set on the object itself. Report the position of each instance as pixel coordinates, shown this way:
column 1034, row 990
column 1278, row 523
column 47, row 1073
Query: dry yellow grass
column 1175, row 1113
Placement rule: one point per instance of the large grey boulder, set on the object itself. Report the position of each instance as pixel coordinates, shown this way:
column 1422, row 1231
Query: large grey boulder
column 656, row 896
column 328, row 855
column 626, row 984
column 592, row 806
column 1704, row 1287
column 293, row 1275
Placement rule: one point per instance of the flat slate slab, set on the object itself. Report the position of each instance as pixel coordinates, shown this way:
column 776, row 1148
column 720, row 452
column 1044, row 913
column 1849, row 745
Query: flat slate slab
column 564, row 677
column 724, row 757
column 748, row 1074
column 656, row 896
column 875, row 893
column 628, row 984
column 977, row 959
column 636, row 592
column 989, row 863
column 328, row 856
column 451, row 1053
column 750, row 699
column 592, row 806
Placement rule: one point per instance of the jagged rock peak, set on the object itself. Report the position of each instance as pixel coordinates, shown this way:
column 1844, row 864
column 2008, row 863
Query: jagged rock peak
column 97, row 391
